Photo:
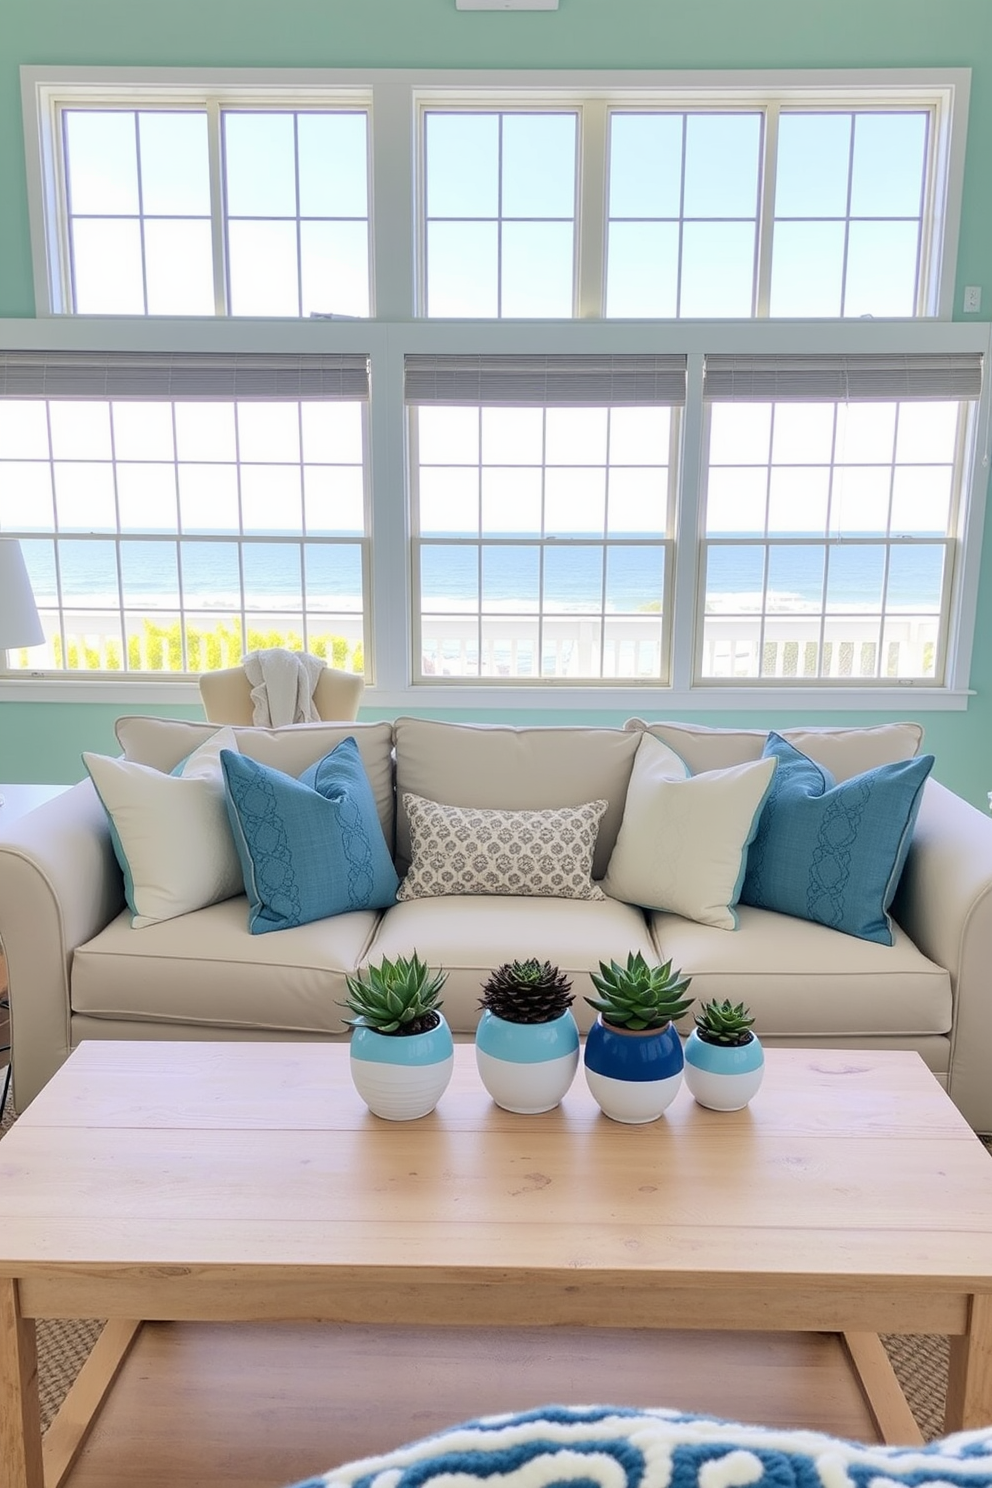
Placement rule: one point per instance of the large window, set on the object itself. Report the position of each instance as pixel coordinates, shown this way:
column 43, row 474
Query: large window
column 830, row 526
column 534, row 200
column 544, row 505
column 175, row 533
column 280, row 227
column 521, row 387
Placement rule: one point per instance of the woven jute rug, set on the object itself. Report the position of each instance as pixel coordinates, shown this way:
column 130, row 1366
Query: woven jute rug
column 920, row 1361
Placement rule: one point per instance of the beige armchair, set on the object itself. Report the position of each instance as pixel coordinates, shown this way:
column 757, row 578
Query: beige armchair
column 226, row 695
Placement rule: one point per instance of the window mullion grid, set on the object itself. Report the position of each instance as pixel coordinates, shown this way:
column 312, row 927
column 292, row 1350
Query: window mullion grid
column 766, row 211
column 539, row 671
column 592, row 210
column 218, row 233
column 499, row 217
column 883, row 613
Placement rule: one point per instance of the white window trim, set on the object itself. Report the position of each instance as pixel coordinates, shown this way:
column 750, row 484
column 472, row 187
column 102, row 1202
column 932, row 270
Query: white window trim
column 390, row 620
column 397, row 97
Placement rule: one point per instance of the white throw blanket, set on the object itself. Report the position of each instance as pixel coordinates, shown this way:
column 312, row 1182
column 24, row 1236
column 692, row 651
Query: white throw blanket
column 282, row 684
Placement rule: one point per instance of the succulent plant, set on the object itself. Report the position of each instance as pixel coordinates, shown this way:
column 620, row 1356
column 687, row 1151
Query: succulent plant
column 396, row 997
column 724, row 1023
column 529, row 991
column 638, row 996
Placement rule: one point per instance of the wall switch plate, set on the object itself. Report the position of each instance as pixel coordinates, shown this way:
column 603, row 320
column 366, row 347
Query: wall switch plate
column 972, row 299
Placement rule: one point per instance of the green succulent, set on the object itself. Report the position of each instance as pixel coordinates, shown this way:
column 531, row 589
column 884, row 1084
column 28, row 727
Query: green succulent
column 725, row 1023
column 529, row 991
column 638, row 996
column 396, row 997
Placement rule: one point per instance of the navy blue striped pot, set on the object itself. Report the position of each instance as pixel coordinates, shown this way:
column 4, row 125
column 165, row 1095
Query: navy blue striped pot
column 633, row 1076
column 527, row 1067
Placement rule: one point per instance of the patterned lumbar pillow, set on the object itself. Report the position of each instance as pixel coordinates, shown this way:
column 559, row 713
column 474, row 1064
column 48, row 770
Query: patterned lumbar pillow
column 684, row 838
column 611, row 1446
column 170, row 832
column 311, row 847
column 476, row 850
column 834, row 853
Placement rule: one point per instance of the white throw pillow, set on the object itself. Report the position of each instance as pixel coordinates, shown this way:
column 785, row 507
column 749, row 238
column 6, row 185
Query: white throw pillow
column 171, row 833
column 684, row 838
column 472, row 850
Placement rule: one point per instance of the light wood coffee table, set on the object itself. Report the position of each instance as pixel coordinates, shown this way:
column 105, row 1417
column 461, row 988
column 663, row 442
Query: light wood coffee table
column 247, row 1182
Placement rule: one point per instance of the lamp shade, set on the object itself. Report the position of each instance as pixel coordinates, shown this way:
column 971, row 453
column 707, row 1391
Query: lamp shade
column 19, row 622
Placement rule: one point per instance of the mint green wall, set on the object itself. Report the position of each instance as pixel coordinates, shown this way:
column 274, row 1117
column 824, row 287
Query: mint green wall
column 41, row 741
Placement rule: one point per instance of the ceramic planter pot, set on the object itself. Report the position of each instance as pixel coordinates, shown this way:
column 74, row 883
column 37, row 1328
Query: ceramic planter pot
column 721, row 1077
column 401, row 1077
column 527, row 1067
column 633, row 1076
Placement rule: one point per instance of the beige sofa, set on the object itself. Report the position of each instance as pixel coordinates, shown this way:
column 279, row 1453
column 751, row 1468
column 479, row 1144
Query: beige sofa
column 78, row 970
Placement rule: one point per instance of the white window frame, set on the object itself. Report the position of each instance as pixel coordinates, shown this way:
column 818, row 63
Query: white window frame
column 395, row 330
column 398, row 99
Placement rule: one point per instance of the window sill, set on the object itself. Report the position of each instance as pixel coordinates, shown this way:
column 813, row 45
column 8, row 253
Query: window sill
column 909, row 698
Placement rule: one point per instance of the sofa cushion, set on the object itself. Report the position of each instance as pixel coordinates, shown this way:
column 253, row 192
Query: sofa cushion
column 684, row 839
column 576, row 1446
column 471, row 850
column 205, row 969
column 163, row 742
column 801, row 979
column 843, row 751
column 834, row 852
column 309, row 847
column 512, row 769
column 170, row 832
column 469, row 935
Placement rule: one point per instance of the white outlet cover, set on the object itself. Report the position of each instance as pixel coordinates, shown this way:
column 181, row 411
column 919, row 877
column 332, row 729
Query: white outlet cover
column 506, row 4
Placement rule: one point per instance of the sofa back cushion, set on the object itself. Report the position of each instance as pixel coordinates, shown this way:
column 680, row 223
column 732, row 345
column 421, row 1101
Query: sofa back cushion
column 163, row 742
column 513, row 769
column 842, row 751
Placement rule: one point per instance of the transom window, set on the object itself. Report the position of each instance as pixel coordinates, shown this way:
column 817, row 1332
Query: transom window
column 284, row 232
column 543, row 202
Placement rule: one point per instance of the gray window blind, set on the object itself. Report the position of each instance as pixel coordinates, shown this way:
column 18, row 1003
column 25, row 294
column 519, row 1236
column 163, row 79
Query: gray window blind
column 539, row 380
column 797, row 379
column 186, row 375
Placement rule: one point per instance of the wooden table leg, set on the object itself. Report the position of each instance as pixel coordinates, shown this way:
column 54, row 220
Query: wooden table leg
column 969, row 1381
column 20, row 1418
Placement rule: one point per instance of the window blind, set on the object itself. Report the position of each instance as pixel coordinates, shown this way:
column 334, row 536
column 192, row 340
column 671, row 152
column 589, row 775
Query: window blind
column 186, row 375
column 539, row 380
column 798, row 379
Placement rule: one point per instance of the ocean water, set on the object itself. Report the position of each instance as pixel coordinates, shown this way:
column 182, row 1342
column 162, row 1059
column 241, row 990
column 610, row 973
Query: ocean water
column 510, row 576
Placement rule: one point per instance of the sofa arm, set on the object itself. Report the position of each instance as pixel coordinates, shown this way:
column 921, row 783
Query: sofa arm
column 59, row 885
column 944, row 904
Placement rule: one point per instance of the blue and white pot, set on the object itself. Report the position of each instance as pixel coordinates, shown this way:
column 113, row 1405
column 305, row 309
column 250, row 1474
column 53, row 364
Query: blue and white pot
column 634, row 1076
column 527, row 1067
column 402, row 1076
column 721, row 1077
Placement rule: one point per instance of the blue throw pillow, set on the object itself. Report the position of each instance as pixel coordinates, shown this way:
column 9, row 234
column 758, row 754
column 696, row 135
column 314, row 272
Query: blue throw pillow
column 311, row 847
column 564, row 1446
column 834, row 853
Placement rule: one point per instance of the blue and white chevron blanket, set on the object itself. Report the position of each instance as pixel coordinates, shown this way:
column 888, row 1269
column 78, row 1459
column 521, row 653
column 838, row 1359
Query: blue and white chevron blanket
column 601, row 1446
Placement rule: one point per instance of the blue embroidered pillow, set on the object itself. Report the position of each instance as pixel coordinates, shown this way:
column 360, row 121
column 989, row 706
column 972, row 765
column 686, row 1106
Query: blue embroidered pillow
column 834, row 853
column 593, row 1446
column 311, row 847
